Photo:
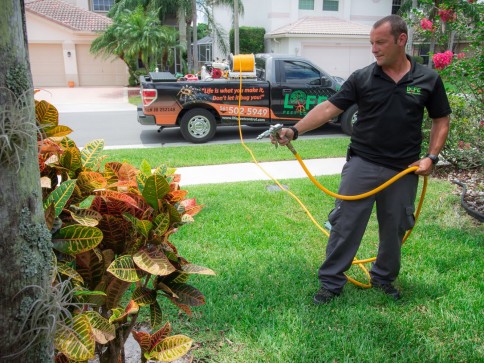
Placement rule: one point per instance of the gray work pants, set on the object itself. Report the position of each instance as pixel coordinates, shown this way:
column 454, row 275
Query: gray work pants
column 394, row 208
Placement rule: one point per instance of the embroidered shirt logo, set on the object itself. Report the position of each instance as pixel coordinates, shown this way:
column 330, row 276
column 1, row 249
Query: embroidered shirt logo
column 412, row 90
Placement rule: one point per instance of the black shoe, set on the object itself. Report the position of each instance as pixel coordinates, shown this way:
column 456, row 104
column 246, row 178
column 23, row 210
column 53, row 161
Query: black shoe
column 324, row 296
column 387, row 288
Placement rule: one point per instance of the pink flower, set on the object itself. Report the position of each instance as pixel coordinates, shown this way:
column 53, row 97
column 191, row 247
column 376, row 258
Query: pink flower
column 447, row 15
column 426, row 24
column 442, row 60
column 461, row 55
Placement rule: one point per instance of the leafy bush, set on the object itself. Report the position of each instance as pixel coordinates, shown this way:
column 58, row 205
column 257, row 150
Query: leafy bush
column 463, row 148
column 251, row 40
column 111, row 230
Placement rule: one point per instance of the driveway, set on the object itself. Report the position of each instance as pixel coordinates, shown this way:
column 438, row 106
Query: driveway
column 86, row 99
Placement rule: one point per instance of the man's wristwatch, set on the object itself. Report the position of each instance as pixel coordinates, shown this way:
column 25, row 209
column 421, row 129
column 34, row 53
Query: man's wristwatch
column 434, row 158
column 295, row 131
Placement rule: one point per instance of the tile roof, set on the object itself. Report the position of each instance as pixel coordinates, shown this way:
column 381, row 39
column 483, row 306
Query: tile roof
column 68, row 15
column 320, row 25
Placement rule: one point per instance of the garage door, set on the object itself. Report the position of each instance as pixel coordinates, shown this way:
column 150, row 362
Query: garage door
column 47, row 65
column 339, row 61
column 98, row 71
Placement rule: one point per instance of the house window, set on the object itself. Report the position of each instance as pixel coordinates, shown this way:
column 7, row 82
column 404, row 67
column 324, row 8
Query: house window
column 102, row 5
column 396, row 6
column 330, row 5
column 306, row 4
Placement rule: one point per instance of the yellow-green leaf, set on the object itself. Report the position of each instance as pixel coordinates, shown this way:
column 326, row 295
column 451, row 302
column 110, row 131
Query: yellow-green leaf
column 71, row 159
column 156, row 315
column 142, row 226
column 89, row 181
column 46, row 114
column 170, row 349
column 195, row 269
column 75, row 239
column 76, row 341
column 156, row 187
column 60, row 196
column 68, row 271
column 155, row 262
column 57, row 131
column 161, row 223
column 145, row 168
column 144, row 296
column 85, row 217
column 101, row 328
column 91, row 154
column 125, row 269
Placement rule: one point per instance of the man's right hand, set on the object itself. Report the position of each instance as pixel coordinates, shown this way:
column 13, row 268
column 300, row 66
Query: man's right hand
column 285, row 136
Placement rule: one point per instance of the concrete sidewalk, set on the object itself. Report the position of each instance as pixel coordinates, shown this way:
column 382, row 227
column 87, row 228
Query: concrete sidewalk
column 227, row 173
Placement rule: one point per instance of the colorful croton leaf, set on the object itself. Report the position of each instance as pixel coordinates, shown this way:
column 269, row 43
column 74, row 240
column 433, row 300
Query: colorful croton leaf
column 125, row 269
column 170, row 348
column 76, row 340
column 75, row 239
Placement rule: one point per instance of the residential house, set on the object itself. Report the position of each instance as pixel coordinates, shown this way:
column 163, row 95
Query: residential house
column 60, row 33
column 334, row 34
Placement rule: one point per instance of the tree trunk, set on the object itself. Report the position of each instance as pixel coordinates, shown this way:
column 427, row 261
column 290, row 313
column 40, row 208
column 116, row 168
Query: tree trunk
column 236, row 28
column 409, row 47
column 195, row 35
column 25, row 242
column 182, row 30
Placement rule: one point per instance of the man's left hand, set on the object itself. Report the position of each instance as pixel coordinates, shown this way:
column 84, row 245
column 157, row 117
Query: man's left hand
column 425, row 166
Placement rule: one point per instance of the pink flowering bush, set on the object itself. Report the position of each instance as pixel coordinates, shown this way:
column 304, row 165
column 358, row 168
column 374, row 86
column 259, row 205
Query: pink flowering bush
column 442, row 60
column 447, row 15
column 461, row 71
column 426, row 24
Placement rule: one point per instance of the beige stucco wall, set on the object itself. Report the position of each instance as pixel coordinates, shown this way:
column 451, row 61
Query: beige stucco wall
column 41, row 31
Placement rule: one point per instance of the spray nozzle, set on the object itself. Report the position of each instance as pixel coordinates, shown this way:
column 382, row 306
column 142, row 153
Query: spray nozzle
column 273, row 130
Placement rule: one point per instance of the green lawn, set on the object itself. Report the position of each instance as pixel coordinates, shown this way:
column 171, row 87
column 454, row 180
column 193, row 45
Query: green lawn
column 266, row 254
column 208, row 154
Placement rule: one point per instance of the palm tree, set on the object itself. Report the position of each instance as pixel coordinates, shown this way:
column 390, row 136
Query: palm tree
column 134, row 35
column 169, row 46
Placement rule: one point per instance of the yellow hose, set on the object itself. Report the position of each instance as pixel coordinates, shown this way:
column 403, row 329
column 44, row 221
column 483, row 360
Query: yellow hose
column 360, row 263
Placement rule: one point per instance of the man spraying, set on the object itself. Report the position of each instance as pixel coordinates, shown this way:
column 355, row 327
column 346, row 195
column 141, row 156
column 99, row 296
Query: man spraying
column 391, row 95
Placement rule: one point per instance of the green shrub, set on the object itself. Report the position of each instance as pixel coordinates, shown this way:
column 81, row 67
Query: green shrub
column 463, row 148
column 251, row 40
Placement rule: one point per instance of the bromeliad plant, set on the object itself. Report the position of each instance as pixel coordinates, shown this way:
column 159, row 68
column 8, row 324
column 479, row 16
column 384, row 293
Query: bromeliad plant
column 111, row 228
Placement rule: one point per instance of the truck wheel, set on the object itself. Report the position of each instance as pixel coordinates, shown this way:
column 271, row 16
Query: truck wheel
column 198, row 125
column 348, row 118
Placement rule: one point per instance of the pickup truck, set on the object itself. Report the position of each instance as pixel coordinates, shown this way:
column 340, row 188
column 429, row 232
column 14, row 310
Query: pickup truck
column 282, row 90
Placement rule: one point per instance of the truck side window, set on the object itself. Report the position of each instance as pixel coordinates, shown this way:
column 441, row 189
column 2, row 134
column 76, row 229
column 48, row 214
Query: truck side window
column 260, row 69
column 300, row 72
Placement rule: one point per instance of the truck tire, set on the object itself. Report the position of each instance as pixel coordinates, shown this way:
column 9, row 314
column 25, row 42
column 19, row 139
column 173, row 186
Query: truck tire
column 348, row 118
column 198, row 126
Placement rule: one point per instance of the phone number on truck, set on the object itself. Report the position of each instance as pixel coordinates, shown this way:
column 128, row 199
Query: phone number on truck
column 245, row 111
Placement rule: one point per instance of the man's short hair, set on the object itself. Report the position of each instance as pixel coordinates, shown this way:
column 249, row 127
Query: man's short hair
column 397, row 24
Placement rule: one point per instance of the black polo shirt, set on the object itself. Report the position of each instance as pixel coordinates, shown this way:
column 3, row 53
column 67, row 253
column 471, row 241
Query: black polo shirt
column 388, row 130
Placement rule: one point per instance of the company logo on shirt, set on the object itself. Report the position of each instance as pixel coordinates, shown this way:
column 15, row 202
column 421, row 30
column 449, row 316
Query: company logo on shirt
column 412, row 90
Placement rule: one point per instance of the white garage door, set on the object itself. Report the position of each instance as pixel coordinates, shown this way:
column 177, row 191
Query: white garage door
column 47, row 65
column 98, row 71
column 339, row 61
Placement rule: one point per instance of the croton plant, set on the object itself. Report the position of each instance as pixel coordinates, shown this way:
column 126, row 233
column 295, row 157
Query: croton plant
column 111, row 224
